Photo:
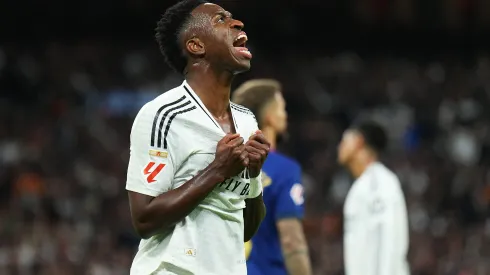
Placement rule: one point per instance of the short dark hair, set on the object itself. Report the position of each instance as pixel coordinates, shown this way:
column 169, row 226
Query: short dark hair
column 374, row 135
column 256, row 94
column 169, row 29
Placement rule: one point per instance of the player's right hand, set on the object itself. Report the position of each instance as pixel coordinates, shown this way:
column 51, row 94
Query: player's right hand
column 231, row 157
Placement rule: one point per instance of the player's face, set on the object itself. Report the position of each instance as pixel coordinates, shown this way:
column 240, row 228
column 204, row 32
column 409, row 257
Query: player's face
column 276, row 114
column 224, row 40
column 348, row 146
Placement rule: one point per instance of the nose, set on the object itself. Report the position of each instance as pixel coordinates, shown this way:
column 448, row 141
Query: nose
column 237, row 24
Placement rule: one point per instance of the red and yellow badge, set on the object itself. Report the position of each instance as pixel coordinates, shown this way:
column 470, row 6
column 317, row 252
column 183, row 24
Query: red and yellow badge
column 160, row 154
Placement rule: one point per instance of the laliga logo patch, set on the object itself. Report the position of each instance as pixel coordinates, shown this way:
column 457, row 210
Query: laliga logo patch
column 296, row 194
column 377, row 206
column 151, row 171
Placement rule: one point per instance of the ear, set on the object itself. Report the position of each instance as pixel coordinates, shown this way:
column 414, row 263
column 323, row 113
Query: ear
column 195, row 46
column 360, row 142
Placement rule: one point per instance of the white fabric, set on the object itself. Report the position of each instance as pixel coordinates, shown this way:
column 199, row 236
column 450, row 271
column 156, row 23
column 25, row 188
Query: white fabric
column 376, row 226
column 256, row 186
column 210, row 239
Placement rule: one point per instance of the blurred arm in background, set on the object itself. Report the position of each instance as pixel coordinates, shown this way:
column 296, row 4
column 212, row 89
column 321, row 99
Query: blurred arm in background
column 294, row 246
column 288, row 221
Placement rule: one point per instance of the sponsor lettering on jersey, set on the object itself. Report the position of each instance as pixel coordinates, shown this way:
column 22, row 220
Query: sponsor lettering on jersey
column 377, row 206
column 238, row 184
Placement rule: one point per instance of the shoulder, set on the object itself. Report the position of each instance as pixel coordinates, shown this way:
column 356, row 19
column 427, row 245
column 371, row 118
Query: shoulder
column 243, row 112
column 285, row 161
column 385, row 174
column 389, row 183
column 156, row 115
column 282, row 168
column 169, row 99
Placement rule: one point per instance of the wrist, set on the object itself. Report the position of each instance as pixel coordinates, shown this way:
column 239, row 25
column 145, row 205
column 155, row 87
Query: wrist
column 254, row 174
column 215, row 169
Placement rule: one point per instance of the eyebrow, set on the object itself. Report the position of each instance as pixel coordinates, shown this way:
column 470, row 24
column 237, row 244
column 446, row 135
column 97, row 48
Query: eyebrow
column 225, row 14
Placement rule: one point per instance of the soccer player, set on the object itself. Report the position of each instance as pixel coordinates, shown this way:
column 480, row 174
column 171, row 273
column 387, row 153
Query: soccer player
column 279, row 247
column 375, row 215
column 194, row 170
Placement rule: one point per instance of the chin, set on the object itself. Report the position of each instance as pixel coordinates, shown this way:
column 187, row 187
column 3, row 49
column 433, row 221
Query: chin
column 242, row 67
column 238, row 62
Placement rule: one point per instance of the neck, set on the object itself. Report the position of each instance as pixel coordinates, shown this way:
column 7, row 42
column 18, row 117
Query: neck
column 270, row 135
column 212, row 86
column 360, row 163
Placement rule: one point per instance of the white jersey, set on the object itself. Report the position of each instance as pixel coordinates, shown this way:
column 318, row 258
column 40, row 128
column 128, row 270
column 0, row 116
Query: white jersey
column 376, row 226
column 174, row 137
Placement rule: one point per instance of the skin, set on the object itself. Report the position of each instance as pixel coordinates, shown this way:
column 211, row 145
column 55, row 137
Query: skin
column 354, row 154
column 212, row 64
column 274, row 118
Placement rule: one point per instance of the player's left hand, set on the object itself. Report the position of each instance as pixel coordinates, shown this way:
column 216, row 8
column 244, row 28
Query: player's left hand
column 258, row 148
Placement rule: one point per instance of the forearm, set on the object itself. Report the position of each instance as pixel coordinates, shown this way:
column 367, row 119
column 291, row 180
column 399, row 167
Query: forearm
column 298, row 262
column 167, row 209
column 253, row 214
column 294, row 247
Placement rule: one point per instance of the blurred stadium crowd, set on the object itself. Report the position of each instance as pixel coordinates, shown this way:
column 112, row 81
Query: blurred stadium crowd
column 64, row 133
column 66, row 111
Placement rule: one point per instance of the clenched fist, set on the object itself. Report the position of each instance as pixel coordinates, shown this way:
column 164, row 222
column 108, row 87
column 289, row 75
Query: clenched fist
column 231, row 156
column 258, row 148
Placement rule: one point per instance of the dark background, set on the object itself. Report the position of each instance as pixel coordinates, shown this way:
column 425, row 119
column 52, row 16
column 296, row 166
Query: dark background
column 73, row 74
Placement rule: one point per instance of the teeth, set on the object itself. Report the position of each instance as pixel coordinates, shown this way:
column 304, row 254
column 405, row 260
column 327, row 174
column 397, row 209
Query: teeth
column 241, row 36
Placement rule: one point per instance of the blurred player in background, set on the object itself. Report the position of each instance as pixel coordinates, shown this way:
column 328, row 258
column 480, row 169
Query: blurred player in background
column 279, row 247
column 375, row 215
column 194, row 186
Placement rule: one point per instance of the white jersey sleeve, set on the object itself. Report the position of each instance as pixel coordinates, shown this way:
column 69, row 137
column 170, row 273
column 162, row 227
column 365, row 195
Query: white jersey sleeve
column 387, row 221
column 150, row 170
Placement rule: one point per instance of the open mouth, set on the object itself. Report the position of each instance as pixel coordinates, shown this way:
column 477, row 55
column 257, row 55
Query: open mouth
column 240, row 44
column 240, row 40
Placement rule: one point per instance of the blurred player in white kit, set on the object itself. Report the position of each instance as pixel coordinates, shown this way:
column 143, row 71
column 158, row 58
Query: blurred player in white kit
column 375, row 217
